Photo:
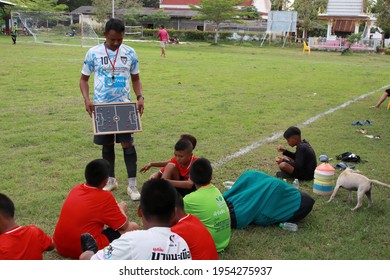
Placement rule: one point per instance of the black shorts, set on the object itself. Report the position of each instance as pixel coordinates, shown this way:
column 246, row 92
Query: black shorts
column 388, row 92
column 111, row 234
column 108, row 139
column 305, row 208
column 302, row 175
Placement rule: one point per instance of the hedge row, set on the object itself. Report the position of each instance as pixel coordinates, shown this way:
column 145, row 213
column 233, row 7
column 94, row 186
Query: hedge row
column 188, row 35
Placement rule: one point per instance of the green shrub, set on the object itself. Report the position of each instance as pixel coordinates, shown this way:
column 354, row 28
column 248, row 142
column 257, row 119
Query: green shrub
column 191, row 35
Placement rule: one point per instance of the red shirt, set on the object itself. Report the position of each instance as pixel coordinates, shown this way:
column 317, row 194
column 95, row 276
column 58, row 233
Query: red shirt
column 163, row 35
column 86, row 209
column 24, row 243
column 198, row 238
column 184, row 171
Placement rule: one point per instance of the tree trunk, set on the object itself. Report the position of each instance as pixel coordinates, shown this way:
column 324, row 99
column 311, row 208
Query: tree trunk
column 216, row 35
column 304, row 33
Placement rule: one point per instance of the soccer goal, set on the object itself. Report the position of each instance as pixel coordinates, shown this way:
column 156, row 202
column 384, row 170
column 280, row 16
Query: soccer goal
column 56, row 28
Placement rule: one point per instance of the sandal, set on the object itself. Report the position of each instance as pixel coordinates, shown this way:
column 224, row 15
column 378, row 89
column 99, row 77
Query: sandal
column 357, row 123
column 362, row 131
column 343, row 166
column 373, row 136
column 340, row 166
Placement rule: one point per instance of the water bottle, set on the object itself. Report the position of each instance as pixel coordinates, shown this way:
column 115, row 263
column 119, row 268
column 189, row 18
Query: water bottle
column 296, row 183
column 228, row 185
column 288, row 226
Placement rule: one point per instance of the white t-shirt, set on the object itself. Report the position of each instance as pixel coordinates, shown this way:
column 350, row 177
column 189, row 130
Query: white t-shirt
column 111, row 73
column 157, row 243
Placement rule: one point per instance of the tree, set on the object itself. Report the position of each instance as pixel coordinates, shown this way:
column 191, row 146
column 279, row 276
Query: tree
column 4, row 15
column 369, row 5
column 134, row 17
column 103, row 8
column 279, row 5
column 157, row 17
column 351, row 39
column 217, row 11
column 40, row 5
column 74, row 4
column 383, row 21
column 250, row 12
column 151, row 3
column 308, row 12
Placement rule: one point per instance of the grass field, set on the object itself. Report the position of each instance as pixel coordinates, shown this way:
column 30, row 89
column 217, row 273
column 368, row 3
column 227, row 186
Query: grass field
column 229, row 97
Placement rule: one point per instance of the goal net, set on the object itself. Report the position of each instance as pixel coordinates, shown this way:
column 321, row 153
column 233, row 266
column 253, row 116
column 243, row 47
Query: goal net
column 134, row 31
column 56, row 28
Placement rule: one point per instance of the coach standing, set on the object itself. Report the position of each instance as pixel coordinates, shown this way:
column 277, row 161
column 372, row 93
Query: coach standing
column 114, row 65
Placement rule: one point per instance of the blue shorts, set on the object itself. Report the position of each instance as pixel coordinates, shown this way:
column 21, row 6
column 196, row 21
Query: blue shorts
column 388, row 92
column 108, row 139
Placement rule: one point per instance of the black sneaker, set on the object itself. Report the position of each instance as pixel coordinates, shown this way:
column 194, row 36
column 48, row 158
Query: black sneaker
column 88, row 243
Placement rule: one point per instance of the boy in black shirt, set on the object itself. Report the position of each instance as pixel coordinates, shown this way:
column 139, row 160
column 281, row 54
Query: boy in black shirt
column 301, row 164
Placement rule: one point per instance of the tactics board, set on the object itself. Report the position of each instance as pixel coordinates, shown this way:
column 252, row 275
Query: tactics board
column 115, row 118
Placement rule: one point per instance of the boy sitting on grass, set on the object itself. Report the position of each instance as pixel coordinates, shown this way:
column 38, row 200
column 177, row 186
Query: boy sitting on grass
column 157, row 175
column 20, row 242
column 196, row 235
column 156, row 241
column 207, row 204
column 176, row 170
column 89, row 208
column 301, row 164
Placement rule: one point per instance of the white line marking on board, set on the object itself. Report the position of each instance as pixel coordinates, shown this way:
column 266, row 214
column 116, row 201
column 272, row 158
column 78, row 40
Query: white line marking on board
column 277, row 135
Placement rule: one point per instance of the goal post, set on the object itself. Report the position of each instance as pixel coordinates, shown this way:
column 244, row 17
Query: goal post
column 134, row 30
column 56, row 28
column 87, row 31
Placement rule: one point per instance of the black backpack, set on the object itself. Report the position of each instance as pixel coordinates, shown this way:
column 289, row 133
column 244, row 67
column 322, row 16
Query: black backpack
column 348, row 157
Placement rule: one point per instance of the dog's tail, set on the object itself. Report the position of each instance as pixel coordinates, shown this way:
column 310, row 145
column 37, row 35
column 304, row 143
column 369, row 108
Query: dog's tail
column 380, row 183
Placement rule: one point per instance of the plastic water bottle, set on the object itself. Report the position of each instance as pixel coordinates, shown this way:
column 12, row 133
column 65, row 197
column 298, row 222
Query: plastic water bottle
column 288, row 226
column 296, row 183
column 228, row 185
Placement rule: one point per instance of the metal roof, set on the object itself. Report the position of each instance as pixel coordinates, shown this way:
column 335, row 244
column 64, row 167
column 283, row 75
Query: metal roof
column 166, row 3
column 345, row 8
column 84, row 10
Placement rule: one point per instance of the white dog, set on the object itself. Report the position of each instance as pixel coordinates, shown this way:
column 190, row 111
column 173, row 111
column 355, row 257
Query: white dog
column 352, row 181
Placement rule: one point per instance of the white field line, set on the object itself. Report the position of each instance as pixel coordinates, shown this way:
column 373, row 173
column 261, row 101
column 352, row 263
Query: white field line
column 279, row 134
